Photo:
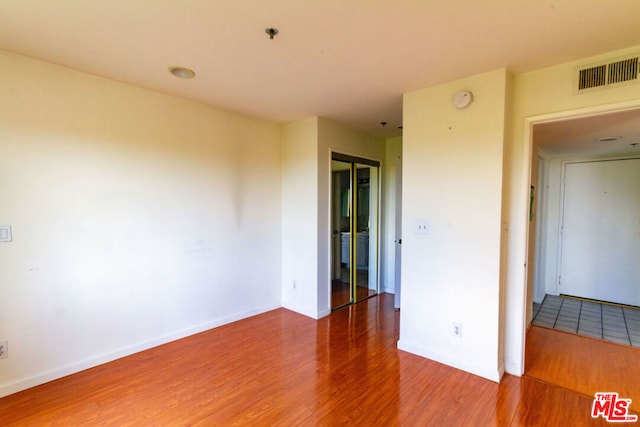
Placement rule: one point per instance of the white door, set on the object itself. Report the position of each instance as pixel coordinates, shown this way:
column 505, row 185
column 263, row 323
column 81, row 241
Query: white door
column 600, row 255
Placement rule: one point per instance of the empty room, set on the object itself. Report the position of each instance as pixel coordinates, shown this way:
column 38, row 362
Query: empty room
column 299, row 213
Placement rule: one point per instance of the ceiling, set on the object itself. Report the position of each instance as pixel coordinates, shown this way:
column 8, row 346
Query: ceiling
column 605, row 134
column 347, row 60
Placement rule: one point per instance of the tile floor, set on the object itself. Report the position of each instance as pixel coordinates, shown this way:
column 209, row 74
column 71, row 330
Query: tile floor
column 603, row 321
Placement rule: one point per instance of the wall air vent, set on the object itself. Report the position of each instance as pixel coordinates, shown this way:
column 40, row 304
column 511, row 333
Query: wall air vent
column 623, row 71
column 593, row 77
column 607, row 73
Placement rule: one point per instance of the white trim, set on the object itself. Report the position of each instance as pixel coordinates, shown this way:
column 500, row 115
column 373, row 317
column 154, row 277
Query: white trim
column 558, row 276
column 451, row 360
column 81, row 365
column 323, row 313
column 541, row 237
column 304, row 310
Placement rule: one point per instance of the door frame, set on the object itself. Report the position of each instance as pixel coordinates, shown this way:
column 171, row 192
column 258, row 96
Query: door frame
column 398, row 236
column 521, row 286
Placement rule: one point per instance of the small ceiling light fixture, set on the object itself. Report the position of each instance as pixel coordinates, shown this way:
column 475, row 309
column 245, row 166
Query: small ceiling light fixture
column 272, row 32
column 182, row 72
column 608, row 139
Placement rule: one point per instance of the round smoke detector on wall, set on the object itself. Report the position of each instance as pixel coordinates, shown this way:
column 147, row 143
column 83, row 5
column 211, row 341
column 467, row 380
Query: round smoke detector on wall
column 462, row 99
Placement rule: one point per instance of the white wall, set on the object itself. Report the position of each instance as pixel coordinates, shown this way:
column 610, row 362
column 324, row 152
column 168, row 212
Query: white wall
column 137, row 218
column 452, row 179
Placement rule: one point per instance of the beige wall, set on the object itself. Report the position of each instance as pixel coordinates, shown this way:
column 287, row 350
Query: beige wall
column 437, row 161
column 306, row 224
column 137, row 218
column 452, row 179
column 299, row 216
column 336, row 137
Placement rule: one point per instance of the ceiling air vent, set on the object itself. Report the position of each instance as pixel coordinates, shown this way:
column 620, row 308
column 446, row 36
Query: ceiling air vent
column 608, row 73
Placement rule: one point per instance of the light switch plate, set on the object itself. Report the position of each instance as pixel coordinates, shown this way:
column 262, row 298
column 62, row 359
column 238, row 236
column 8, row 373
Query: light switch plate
column 5, row 233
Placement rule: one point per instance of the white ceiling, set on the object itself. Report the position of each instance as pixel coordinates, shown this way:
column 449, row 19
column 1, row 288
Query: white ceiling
column 348, row 60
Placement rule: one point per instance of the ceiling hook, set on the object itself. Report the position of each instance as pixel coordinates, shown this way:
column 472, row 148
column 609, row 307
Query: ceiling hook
column 272, row 32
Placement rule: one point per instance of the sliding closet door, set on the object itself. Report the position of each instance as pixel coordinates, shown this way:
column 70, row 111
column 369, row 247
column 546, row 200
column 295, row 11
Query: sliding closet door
column 341, row 219
column 355, row 191
column 366, row 239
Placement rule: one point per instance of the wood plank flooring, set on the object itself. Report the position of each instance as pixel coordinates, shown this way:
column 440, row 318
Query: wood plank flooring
column 281, row 368
column 341, row 293
column 583, row 364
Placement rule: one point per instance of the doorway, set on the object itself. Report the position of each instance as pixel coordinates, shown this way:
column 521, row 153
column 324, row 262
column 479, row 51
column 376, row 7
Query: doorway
column 355, row 190
column 568, row 137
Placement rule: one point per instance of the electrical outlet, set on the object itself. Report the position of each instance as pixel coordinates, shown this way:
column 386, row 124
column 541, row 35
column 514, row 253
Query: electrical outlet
column 457, row 330
column 422, row 227
column 4, row 349
column 5, row 233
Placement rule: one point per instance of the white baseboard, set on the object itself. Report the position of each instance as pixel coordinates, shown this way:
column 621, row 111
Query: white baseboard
column 512, row 368
column 305, row 311
column 324, row 313
column 72, row 368
column 501, row 371
column 450, row 360
column 389, row 290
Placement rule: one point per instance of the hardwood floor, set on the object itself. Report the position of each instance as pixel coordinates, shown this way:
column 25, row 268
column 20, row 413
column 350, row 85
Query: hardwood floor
column 583, row 364
column 341, row 293
column 281, row 368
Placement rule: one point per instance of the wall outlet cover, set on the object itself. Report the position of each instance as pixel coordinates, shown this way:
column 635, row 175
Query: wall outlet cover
column 457, row 330
column 422, row 227
column 5, row 233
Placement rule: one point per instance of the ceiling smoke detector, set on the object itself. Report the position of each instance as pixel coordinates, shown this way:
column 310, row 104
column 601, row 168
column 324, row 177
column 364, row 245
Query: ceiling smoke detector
column 462, row 99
